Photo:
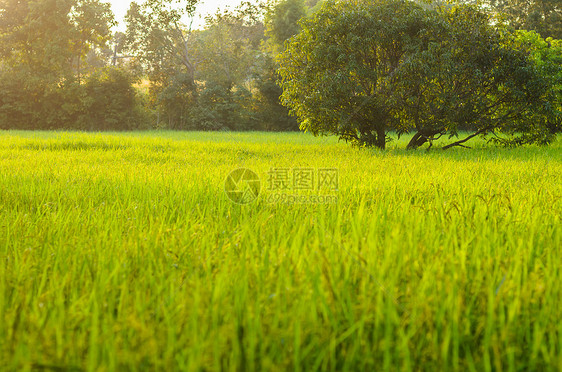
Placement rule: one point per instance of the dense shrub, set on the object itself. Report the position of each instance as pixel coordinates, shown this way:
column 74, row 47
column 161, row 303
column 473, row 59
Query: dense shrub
column 223, row 108
column 175, row 101
column 111, row 102
column 107, row 100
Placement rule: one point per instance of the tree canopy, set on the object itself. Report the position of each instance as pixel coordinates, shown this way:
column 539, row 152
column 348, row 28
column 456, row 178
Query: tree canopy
column 362, row 69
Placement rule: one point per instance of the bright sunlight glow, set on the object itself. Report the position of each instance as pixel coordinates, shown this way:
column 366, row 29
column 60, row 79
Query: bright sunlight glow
column 205, row 7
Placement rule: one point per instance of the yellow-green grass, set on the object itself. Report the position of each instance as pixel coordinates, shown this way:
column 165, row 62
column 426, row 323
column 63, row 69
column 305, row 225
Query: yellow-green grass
column 122, row 252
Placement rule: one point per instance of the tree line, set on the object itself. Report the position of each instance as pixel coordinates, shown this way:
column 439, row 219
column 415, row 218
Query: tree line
column 63, row 67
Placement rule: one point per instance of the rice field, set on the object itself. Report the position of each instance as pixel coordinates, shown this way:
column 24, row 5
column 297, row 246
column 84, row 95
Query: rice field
column 124, row 252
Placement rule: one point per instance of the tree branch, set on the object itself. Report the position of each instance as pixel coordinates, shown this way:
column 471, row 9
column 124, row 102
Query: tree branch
column 460, row 143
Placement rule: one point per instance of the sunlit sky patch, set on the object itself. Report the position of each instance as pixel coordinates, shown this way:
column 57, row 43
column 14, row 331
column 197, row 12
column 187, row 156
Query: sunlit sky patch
column 205, row 7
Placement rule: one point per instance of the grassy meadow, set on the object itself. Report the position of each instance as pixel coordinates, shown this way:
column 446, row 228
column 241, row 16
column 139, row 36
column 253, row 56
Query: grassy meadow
column 123, row 252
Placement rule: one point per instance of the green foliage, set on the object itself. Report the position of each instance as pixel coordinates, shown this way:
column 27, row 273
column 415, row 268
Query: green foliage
column 44, row 47
column 35, row 36
column 226, row 51
column 337, row 73
column 156, row 36
column 110, row 102
column 50, row 38
column 221, row 108
column 389, row 65
column 270, row 112
column 471, row 76
column 20, row 102
column 282, row 20
column 106, row 101
column 92, row 22
column 281, row 23
column 542, row 16
column 155, row 27
column 54, row 57
column 360, row 69
column 547, row 56
column 175, row 101
column 158, row 39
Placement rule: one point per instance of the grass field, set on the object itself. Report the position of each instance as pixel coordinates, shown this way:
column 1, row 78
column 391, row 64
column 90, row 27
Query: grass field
column 123, row 252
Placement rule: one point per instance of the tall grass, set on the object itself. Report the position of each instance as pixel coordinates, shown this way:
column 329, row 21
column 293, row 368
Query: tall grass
column 122, row 252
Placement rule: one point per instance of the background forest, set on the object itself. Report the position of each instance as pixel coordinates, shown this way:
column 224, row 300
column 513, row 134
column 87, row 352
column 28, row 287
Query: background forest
column 63, row 65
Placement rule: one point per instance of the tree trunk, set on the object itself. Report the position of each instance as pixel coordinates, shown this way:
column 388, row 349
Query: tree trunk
column 381, row 138
column 417, row 140
column 421, row 138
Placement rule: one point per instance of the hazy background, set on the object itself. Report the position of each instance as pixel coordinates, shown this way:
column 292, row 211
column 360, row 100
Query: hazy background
column 205, row 7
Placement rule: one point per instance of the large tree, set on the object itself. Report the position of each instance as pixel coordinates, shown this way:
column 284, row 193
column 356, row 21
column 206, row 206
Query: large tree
column 157, row 34
column 92, row 21
column 52, row 68
column 227, row 49
column 227, row 52
column 282, row 20
column 50, row 37
column 36, row 36
column 360, row 69
column 42, row 43
column 337, row 72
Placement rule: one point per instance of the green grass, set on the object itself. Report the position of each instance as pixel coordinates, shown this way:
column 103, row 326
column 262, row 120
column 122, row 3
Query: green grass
column 122, row 252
